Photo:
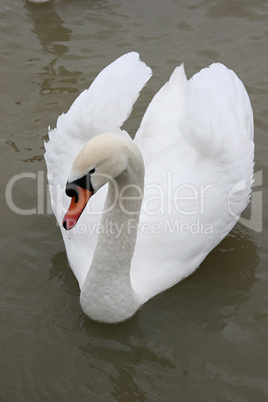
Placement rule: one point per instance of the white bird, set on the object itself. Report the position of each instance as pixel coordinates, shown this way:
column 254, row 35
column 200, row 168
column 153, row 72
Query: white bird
column 162, row 201
column 38, row 1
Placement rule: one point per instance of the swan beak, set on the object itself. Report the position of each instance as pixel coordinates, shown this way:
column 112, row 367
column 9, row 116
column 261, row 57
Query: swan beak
column 76, row 207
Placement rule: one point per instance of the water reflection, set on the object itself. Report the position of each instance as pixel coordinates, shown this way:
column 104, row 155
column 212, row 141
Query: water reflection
column 232, row 8
column 49, row 34
column 61, row 271
column 227, row 277
column 120, row 353
column 53, row 39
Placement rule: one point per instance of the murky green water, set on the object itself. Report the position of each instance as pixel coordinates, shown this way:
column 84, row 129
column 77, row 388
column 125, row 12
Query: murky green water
column 206, row 338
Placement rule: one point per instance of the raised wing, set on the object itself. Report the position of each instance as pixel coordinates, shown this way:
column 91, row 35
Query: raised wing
column 103, row 107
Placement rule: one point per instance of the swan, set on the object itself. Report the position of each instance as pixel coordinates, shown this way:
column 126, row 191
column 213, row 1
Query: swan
column 138, row 216
column 38, row 1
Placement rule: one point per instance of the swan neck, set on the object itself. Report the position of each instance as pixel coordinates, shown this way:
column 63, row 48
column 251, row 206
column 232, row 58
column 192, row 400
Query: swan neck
column 107, row 294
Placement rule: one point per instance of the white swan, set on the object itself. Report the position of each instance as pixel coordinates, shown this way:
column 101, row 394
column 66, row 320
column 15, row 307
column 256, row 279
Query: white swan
column 38, row 1
column 195, row 145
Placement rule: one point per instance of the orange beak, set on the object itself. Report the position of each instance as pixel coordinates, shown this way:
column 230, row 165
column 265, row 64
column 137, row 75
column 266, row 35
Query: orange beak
column 76, row 208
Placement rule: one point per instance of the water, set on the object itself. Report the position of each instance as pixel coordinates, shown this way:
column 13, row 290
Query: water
column 206, row 338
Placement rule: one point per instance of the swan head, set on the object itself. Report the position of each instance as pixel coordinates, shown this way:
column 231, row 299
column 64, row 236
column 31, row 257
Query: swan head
column 102, row 159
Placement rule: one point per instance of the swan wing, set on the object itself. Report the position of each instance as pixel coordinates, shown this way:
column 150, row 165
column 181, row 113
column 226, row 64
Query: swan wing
column 160, row 124
column 197, row 140
column 104, row 106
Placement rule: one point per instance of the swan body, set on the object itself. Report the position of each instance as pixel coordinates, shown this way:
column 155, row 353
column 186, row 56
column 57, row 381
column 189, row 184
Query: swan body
column 144, row 213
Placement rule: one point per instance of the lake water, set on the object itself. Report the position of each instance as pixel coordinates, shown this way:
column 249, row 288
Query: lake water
column 206, row 338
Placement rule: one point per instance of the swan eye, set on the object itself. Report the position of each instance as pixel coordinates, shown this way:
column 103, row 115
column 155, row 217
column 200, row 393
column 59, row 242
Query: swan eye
column 91, row 171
